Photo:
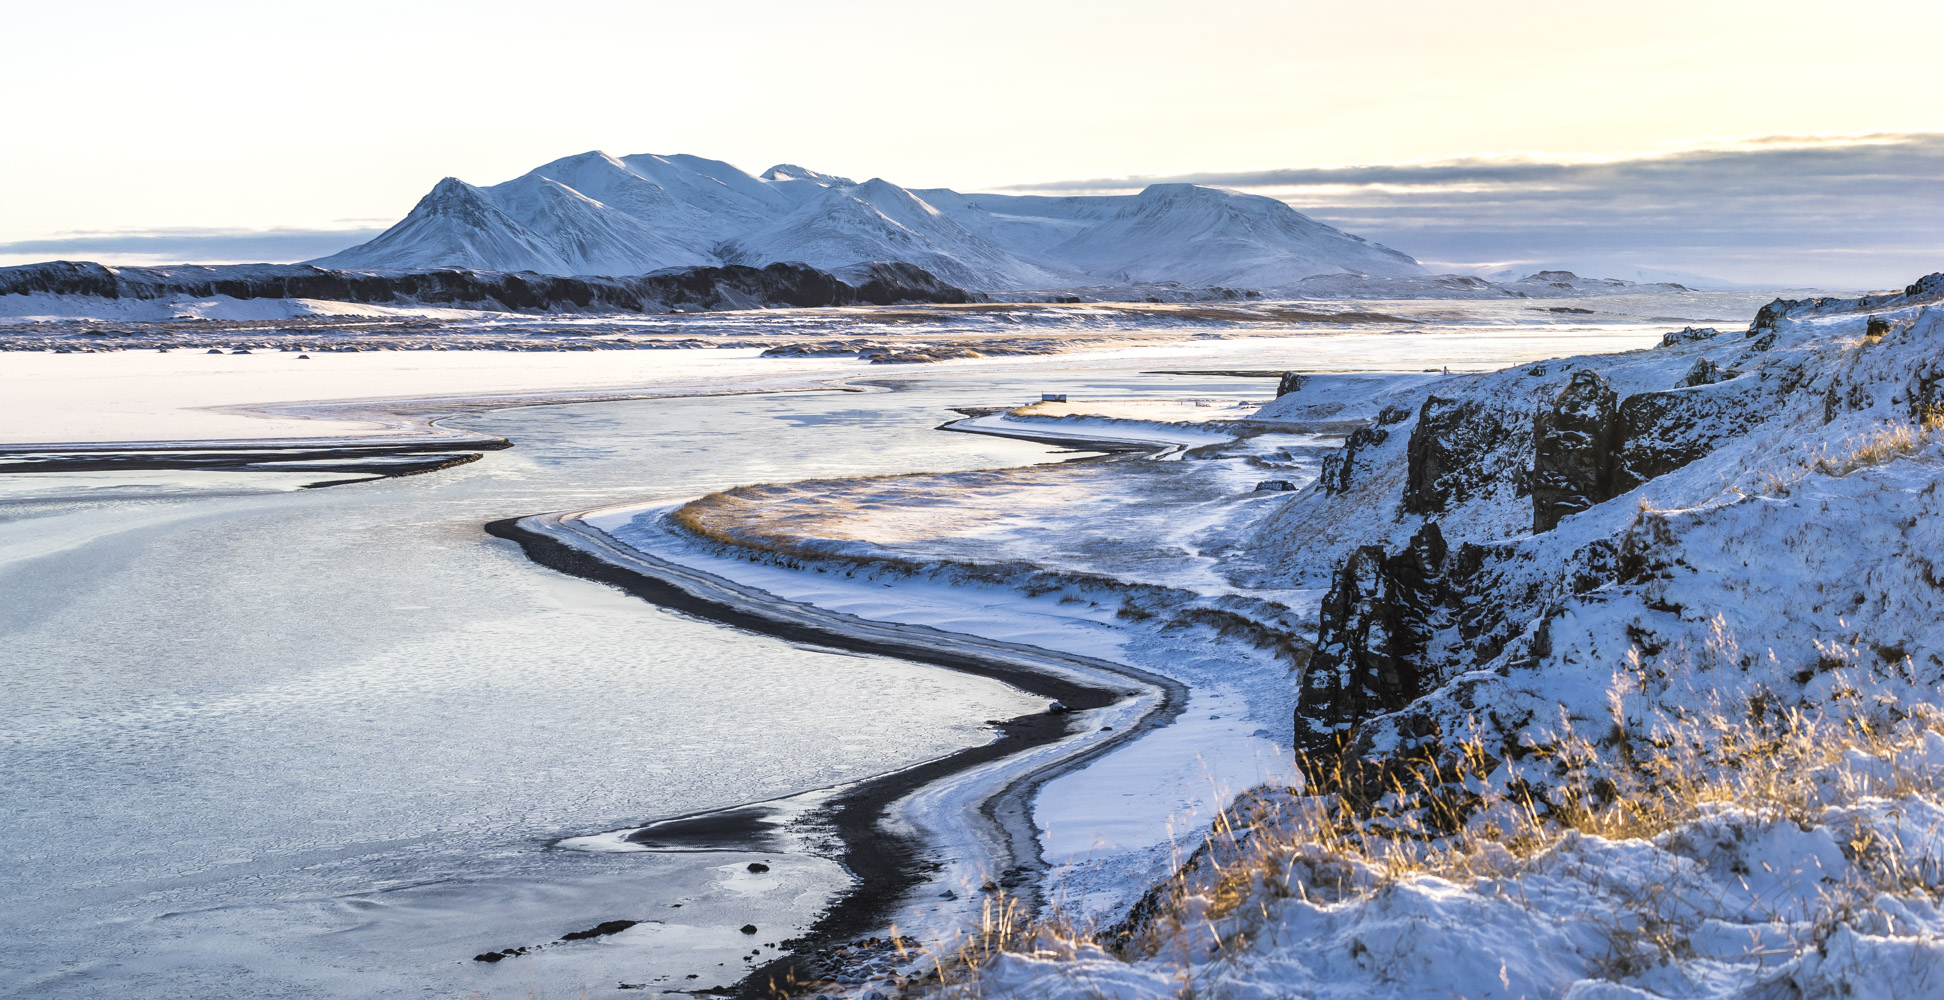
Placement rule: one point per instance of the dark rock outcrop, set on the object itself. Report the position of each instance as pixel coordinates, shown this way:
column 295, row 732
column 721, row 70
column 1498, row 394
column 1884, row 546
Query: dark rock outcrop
column 1926, row 393
column 1588, row 449
column 1291, row 382
column 1688, row 335
column 1445, row 453
column 885, row 283
column 1340, row 467
column 687, row 288
column 1705, row 372
column 1375, row 622
column 1572, row 450
column 1659, row 432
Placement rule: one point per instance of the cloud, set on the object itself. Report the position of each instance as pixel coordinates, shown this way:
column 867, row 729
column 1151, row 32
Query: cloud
column 1858, row 211
column 174, row 246
column 1834, row 212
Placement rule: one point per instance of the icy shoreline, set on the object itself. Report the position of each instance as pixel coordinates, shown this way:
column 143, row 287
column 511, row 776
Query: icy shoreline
column 978, row 800
column 453, row 402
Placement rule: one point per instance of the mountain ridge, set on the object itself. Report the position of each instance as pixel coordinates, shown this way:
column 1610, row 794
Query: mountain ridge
column 596, row 213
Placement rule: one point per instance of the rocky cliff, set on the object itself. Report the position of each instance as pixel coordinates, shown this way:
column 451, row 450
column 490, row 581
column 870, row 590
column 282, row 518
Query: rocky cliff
column 1731, row 518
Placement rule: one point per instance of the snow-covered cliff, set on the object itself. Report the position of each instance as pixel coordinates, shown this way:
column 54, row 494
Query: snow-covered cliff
column 1498, row 546
column 1626, row 687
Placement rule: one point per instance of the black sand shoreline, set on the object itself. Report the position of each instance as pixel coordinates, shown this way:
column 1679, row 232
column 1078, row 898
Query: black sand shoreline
column 363, row 462
column 885, row 865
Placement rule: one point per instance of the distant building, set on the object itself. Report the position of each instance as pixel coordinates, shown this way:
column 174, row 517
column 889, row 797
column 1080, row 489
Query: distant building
column 1052, row 397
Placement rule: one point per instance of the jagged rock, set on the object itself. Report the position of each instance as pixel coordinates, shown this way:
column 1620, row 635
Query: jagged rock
column 1572, row 450
column 1375, row 621
column 1930, row 285
column 1339, row 467
column 1705, row 372
column 1688, row 335
column 1926, row 392
column 1446, row 450
column 1291, row 382
column 1275, row 486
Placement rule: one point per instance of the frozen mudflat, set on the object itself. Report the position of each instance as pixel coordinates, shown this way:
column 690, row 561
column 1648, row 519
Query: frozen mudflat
column 330, row 742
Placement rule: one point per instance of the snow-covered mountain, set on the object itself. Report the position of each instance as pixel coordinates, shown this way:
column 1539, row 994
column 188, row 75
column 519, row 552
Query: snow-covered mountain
column 1207, row 236
column 600, row 214
column 588, row 236
column 454, row 225
column 878, row 220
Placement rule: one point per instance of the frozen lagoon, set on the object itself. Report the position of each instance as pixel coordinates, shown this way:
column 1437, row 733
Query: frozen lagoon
column 322, row 742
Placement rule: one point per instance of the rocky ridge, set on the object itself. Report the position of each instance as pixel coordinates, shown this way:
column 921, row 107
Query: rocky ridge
column 675, row 289
column 1502, row 550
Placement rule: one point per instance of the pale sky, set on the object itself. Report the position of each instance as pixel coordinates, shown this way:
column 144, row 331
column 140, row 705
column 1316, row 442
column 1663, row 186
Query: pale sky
column 224, row 116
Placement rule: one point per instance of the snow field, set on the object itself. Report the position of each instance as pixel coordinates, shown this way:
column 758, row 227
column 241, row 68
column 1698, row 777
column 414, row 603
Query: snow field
column 1718, row 775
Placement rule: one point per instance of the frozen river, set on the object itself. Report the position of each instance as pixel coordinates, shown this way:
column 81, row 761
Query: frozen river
column 322, row 743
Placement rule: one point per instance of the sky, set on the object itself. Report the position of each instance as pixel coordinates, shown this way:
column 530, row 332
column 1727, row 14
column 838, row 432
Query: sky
column 212, row 130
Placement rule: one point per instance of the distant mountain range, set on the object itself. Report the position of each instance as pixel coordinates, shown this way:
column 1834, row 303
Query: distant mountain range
column 597, row 214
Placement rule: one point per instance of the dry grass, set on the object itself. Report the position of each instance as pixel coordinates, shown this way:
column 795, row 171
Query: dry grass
column 1887, row 443
column 1437, row 815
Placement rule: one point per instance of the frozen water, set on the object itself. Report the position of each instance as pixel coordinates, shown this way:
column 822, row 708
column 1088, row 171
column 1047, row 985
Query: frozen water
column 324, row 742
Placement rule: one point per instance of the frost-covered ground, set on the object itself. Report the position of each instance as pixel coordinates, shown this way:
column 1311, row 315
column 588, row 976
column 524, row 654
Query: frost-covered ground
column 1626, row 686
column 1166, row 518
column 1629, row 661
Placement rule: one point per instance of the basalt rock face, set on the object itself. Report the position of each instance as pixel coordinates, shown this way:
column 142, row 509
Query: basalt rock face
column 1376, row 620
column 1447, row 452
column 1659, row 432
column 1572, row 455
column 689, row 288
column 1590, row 446
column 1340, row 468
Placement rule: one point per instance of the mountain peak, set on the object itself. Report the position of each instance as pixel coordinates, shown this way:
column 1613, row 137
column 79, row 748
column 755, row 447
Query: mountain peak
column 1180, row 189
column 792, row 172
column 450, row 189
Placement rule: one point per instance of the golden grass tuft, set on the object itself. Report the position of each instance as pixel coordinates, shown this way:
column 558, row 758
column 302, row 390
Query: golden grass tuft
column 1437, row 815
column 1888, row 442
